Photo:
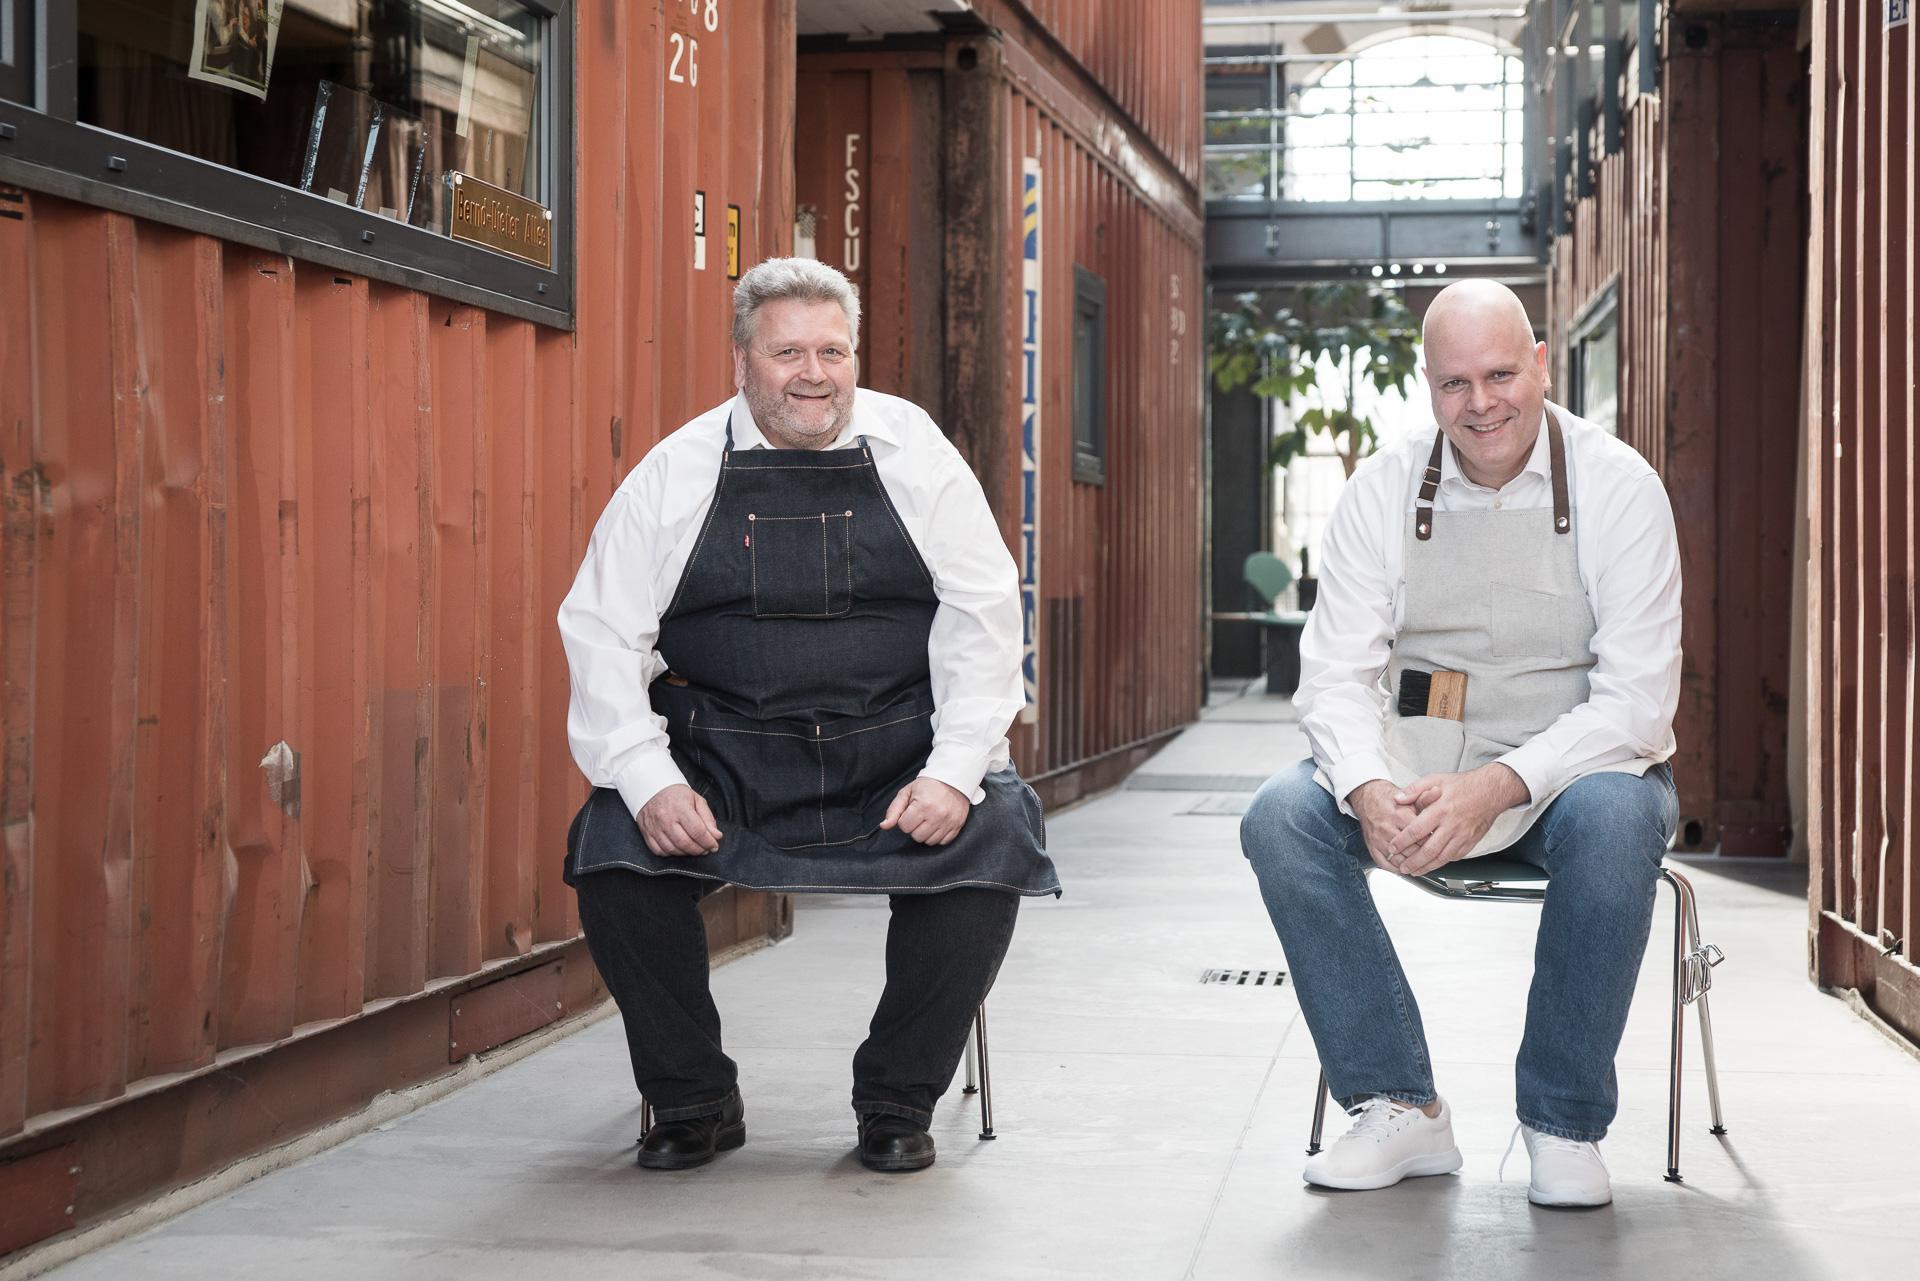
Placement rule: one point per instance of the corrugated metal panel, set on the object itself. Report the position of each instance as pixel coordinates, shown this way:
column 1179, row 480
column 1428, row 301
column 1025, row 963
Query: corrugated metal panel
column 1120, row 565
column 1709, row 390
column 1863, row 359
column 1146, row 54
column 1119, row 607
column 284, row 703
column 1618, row 240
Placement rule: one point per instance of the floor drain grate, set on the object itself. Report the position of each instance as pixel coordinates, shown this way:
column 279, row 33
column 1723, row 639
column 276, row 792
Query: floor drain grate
column 1245, row 978
column 1230, row 806
column 1196, row 782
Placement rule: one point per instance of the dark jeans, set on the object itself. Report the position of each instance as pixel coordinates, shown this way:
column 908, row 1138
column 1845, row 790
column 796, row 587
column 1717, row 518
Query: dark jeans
column 650, row 943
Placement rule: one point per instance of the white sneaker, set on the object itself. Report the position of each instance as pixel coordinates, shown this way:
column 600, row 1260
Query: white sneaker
column 1386, row 1143
column 1565, row 1172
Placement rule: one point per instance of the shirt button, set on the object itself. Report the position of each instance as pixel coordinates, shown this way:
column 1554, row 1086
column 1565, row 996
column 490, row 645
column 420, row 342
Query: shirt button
column 1496, row 504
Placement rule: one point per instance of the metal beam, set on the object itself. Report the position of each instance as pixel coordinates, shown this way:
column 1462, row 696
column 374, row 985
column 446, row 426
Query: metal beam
column 1368, row 15
column 1254, row 239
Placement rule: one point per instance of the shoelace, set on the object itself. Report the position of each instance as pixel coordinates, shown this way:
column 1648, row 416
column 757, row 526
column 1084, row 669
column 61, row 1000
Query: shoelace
column 1501, row 1175
column 1375, row 1119
column 1545, row 1141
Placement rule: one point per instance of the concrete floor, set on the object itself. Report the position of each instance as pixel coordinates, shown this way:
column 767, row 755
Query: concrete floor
column 1150, row 1126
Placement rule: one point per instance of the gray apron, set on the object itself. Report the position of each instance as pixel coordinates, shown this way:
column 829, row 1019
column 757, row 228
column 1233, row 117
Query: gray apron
column 1496, row 595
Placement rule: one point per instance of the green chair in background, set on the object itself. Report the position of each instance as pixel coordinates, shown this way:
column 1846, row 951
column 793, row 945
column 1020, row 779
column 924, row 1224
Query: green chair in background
column 1267, row 576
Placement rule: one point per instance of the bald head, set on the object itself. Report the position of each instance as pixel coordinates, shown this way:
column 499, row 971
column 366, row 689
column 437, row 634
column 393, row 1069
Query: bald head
column 1482, row 306
column 1487, row 378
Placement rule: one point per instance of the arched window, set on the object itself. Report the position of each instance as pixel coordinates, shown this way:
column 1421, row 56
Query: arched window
column 1428, row 117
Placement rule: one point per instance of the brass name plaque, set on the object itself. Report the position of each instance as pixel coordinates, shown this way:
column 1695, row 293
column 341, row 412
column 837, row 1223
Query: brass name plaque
column 494, row 218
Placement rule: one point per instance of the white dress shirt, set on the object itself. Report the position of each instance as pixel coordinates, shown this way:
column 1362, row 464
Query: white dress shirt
column 610, row 620
column 1629, row 565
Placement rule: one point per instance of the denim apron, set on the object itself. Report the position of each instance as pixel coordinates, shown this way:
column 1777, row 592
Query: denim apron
column 798, row 698
column 1496, row 595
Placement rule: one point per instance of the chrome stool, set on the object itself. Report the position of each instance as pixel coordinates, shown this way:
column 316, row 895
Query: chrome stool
column 1492, row 879
column 979, row 1078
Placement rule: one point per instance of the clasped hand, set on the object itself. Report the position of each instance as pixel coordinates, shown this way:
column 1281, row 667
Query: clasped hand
column 1435, row 819
column 678, row 823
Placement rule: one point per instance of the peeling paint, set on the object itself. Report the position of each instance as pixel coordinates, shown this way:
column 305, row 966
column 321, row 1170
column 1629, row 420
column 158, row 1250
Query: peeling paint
column 282, row 767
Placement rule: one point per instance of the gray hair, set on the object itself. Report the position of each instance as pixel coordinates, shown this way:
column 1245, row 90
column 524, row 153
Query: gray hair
column 803, row 278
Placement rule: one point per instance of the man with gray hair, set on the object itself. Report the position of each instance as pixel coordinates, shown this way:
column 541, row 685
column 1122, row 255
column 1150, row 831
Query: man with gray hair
column 795, row 650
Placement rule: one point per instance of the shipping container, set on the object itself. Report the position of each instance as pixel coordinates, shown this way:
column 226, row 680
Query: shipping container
column 1700, row 315
column 1862, row 363
column 286, row 773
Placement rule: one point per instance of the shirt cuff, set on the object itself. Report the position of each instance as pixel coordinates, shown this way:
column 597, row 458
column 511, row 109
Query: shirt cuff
column 1352, row 772
column 647, row 777
column 960, row 768
column 1537, row 766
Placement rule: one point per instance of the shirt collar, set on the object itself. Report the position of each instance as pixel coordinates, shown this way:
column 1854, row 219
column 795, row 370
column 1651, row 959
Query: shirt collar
column 866, row 421
column 1537, row 462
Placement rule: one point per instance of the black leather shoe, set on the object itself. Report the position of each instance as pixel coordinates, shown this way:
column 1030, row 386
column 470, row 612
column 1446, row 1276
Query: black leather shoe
column 893, row 1143
column 681, row 1145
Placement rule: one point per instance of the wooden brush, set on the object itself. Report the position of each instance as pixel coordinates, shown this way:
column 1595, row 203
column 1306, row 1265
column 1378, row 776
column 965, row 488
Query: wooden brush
column 1442, row 694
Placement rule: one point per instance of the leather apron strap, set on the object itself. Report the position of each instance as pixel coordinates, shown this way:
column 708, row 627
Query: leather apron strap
column 1557, row 458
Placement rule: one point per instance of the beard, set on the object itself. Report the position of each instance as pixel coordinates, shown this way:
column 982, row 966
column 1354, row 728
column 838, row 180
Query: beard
column 777, row 416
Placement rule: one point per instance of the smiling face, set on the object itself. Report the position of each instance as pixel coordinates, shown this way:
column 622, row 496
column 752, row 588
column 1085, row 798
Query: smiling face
column 797, row 373
column 1487, row 378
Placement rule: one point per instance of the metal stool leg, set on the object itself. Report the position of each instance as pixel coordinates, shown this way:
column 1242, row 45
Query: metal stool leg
column 1701, row 958
column 986, row 1073
column 646, row 1116
column 973, row 1067
column 1679, row 1024
column 1713, row 1072
column 1693, row 962
column 1319, row 1116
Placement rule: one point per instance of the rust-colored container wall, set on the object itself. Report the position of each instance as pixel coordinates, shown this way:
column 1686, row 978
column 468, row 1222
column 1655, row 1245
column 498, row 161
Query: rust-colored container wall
column 1863, row 359
column 940, row 148
column 1709, row 386
column 284, row 704
column 1146, row 55
column 1120, row 624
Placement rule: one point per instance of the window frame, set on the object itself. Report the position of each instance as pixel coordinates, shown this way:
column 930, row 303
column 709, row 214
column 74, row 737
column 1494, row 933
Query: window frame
column 1601, row 313
column 1090, row 420
column 44, row 147
column 17, row 49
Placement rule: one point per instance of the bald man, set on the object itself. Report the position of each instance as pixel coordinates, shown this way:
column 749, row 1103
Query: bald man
column 1492, row 666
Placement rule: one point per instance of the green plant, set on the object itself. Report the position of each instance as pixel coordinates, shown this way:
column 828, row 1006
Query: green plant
column 1366, row 330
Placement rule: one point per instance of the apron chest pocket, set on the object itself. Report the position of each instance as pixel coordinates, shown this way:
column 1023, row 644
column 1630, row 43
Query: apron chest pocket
column 1524, row 623
column 801, row 566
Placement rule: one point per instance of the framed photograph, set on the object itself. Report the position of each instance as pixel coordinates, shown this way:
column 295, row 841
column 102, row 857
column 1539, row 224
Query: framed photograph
column 233, row 43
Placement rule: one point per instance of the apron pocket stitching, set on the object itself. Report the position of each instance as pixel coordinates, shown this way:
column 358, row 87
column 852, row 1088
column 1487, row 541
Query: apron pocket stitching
column 868, row 729
column 763, row 733
column 757, row 536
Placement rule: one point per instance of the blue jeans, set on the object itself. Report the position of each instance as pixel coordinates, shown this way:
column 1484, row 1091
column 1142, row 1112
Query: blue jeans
column 1601, row 842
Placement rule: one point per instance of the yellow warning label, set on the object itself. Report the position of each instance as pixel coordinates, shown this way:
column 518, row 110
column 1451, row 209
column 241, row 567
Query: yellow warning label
column 733, row 242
